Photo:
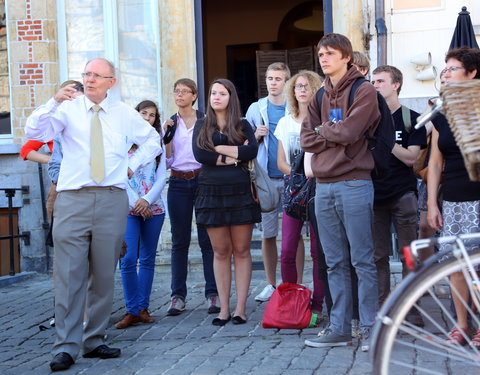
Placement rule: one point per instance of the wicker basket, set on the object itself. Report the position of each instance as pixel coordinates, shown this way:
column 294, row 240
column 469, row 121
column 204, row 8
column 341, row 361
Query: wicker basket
column 461, row 105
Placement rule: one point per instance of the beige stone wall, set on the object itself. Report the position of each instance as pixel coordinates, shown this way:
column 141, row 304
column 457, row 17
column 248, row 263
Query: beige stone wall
column 349, row 20
column 177, row 48
column 33, row 64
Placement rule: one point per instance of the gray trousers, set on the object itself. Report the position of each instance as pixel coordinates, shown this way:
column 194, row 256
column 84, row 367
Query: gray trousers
column 403, row 213
column 344, row 213
column 89, row 226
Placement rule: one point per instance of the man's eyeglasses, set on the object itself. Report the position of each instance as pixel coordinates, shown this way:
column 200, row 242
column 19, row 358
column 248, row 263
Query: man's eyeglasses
column 94, row 75
column 183, row 92
column 451, row 69
column 299, row 87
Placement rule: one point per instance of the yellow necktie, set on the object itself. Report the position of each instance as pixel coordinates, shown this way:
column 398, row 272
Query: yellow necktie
column 97, row 154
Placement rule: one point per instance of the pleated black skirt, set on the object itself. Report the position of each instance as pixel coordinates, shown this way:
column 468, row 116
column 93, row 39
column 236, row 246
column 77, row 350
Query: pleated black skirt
column 226, row 205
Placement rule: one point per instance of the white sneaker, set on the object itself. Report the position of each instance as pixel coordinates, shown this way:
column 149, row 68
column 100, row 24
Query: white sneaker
column 265, row 294
column 365, row 344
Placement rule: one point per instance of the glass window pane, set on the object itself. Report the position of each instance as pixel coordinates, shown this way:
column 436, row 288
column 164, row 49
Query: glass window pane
column 85, row 33
column 138, row 46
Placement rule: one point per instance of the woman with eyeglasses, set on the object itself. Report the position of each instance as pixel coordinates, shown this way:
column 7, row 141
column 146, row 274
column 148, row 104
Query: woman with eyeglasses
column 300, row 89
column 182, row 188
column 144, row 224
column 461, row 197
column 224, row 143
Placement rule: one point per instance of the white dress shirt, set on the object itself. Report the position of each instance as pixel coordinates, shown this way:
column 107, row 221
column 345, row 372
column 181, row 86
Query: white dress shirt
column 122, row 126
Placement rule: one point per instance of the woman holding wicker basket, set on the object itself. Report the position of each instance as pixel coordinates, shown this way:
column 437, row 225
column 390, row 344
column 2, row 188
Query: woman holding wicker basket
column 461, row 196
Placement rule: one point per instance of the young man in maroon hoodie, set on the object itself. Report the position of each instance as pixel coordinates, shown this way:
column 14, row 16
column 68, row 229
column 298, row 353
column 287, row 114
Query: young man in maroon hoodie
column 342, row 163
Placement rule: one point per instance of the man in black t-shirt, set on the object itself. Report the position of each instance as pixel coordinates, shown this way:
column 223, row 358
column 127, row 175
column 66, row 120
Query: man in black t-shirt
column 396, row 194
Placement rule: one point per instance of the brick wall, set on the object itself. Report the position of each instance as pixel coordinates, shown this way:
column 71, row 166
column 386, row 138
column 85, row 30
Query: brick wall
column 33, row 58
column 33, row 70
column 4, row 85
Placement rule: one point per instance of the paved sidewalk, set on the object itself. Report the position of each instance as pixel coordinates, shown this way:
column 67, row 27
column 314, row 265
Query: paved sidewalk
column 186, row 344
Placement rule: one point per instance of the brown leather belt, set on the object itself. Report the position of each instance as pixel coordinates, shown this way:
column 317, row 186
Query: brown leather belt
column 187, row 175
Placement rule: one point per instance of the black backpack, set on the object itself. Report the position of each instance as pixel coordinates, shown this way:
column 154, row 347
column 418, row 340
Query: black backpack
column 170, row 132
column 299, row 190
column 383, row 139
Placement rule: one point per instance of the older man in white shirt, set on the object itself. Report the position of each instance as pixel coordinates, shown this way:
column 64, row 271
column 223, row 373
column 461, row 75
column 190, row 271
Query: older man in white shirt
column 91, row 207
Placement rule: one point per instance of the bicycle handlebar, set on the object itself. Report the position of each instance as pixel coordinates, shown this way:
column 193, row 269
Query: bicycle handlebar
column 436, row 108
column 426, row 242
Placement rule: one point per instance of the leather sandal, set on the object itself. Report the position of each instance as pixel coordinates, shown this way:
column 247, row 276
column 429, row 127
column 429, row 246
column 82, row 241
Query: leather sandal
column 476, row 340
column 456, row 337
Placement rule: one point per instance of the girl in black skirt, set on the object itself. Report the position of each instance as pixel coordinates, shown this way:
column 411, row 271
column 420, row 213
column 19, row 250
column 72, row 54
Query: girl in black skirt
column 224, row 143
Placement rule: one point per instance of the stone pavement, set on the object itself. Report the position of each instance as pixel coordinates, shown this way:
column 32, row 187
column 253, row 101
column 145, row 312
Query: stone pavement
column 186, row 344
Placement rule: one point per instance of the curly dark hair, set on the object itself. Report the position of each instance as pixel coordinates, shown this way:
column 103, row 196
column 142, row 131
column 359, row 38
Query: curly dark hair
column 469, row 57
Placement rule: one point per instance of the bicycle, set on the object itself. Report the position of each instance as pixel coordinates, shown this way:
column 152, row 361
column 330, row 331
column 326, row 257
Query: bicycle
column 398, row 345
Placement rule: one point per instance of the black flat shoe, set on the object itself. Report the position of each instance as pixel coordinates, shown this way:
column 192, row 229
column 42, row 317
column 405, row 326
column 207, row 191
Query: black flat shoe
column 238, row 320
column 62, row 361
column 220, row 322
column 103, row 352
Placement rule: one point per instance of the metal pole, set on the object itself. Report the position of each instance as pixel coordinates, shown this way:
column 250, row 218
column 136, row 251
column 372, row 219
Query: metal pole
column 10, row 193
column 381, row 32
column 45, row 224
column 327, row 17
column 199, row 54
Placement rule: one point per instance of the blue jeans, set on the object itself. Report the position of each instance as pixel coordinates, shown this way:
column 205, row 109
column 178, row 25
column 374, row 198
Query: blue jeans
column 141, row 237
column 344, row 212
column 181, row 196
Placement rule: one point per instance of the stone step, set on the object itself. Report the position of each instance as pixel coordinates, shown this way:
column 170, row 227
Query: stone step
column 163, row 259
column 195, row 264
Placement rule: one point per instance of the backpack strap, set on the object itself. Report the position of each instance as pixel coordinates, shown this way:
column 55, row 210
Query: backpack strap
column 354, row 89
column 351, row 97
column 170, row 132
column 167, row 138
column 407, row 120
column 319, row 97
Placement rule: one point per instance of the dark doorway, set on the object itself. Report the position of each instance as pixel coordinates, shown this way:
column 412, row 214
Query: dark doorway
column 241, row 66
column 233, row 33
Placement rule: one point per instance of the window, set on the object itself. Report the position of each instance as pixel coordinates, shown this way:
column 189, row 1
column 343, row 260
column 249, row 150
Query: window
column 138, row 41
column 123, row 31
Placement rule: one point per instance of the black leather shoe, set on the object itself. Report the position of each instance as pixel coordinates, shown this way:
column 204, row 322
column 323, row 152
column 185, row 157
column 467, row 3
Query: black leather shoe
column 220, row 322
column 103, row 352
column 238, row 320
column 62, row 361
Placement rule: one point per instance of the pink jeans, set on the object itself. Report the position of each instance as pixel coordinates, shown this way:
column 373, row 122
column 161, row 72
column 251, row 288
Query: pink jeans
column 291, row 232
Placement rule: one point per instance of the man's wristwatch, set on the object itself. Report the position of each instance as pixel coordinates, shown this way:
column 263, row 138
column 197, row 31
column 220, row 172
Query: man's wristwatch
column 318, row 129
column 224, row 159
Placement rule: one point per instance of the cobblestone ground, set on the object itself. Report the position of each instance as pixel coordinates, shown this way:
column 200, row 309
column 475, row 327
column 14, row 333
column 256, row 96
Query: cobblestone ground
column 185, row 344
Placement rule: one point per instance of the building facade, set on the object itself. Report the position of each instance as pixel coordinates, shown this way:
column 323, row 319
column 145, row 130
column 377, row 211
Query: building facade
column 155, row 42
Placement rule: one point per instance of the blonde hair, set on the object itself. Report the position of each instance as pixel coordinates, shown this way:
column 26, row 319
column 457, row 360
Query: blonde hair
column 361, row 60
column 279, row 66
column 315, row 82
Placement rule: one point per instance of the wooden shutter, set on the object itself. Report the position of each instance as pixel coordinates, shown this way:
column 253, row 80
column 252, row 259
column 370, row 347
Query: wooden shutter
column 303, row 58
column 5, row 244
column 264, row 59
column 300, row 59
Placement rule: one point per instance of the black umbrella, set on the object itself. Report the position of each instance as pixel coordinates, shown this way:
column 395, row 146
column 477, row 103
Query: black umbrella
column 463, row 36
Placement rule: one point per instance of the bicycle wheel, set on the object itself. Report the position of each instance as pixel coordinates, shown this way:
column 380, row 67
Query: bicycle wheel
column 398, row 347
